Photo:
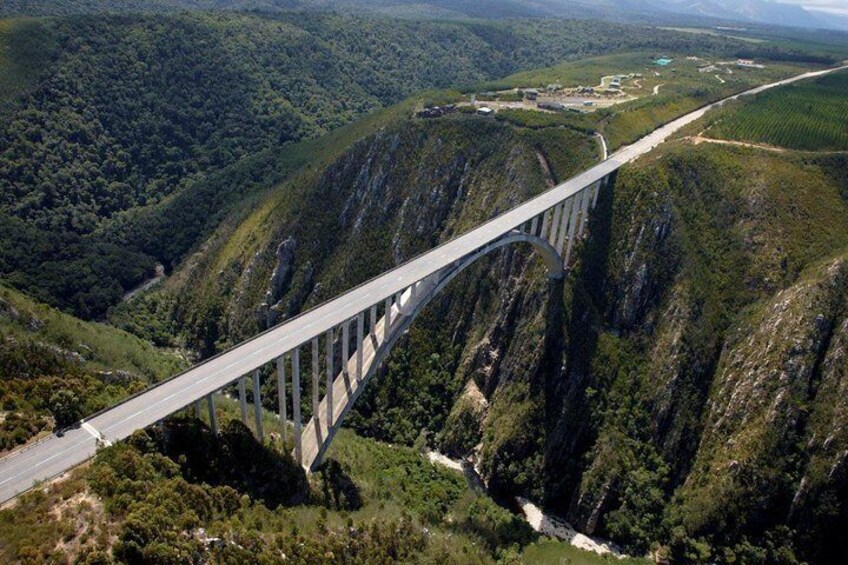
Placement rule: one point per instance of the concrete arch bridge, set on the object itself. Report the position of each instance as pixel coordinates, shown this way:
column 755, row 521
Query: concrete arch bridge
column 364, row 323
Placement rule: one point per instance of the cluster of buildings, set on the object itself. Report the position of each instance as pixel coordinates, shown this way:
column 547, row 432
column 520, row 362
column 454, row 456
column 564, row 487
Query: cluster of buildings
column 560, row 107
column 744, row 63
column 436, row 111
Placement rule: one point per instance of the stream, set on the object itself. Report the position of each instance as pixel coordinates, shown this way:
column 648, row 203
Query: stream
column 542, row 522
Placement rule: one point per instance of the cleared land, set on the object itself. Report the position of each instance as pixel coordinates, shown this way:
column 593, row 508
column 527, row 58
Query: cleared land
column 811, row 116
column 637, row 110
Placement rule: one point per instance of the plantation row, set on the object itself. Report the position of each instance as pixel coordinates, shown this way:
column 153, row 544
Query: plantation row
column 809, row 116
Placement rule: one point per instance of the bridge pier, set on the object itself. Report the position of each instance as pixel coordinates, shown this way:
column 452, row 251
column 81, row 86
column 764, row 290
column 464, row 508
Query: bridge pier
column 360, row 322
column 329, row 392
column 257, row 406
column 584, row 212
column 555, row 224
column 242, row 400
column 316, row 377
column 281, row 398
column 213, row 421
column 387, row 317
column 566, row 213
column 298, row 425
column 345, row 347
column 545, row 221
column 575, row 208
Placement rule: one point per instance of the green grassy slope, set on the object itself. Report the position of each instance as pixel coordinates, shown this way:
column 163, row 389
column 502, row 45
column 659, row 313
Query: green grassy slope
column 55, row 368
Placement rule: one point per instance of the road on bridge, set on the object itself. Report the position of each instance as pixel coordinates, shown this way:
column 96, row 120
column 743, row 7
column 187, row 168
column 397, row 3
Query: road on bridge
column 49, row 458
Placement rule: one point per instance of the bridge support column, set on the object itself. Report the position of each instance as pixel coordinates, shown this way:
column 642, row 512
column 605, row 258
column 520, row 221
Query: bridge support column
column 566, row 213
column 213, row 421
column 584, row 215
column 243, row 400
column 197, row 409
column 552, row 237
column 545, row 222
column 534, row 224
column 257, row 406
column 316, row 376
column 298, row 424
column 360, row 330
column 372, row 329
column 387, row 324
column 345, row 348
column 281, row 398
column 575, row 208
column 600, row 184
column 330, row 377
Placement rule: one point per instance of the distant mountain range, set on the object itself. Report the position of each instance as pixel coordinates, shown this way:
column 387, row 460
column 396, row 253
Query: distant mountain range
column 667, row 12
column 767, row 12
column 755, row 11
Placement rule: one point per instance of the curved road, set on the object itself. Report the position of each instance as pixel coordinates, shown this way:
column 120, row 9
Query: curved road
column 21, row 470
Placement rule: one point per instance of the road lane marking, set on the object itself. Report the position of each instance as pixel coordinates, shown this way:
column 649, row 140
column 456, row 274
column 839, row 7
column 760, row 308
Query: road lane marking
column 95, row 434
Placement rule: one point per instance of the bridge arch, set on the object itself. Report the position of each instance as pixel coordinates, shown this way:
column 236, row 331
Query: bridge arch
column 322, row 427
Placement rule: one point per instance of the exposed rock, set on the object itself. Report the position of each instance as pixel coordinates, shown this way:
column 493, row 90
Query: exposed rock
column 305, row 289
column 637, row 287
column 117, row 377
column 280, row 281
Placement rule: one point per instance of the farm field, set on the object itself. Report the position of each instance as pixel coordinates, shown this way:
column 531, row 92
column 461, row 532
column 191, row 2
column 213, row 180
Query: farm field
column 810, row 116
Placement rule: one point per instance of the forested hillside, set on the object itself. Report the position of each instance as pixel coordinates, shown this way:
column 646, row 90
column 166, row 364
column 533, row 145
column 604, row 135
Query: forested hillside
column 682, row 392
column 112, row 114
column 686, row 394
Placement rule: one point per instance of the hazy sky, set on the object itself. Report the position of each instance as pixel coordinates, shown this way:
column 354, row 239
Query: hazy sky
column 833, row 6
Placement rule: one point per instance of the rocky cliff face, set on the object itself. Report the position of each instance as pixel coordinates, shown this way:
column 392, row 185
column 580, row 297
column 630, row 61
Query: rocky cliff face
column 685, row 386
column 693, row 412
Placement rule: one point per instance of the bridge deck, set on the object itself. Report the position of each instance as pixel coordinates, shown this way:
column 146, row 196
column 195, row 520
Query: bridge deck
column 55, row 455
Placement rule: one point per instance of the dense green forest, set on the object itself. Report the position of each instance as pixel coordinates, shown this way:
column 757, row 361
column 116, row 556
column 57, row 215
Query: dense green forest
column 76, row 7
column 177, row 114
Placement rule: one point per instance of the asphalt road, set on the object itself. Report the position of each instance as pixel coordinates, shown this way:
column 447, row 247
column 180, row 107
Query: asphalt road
column 22, row 469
